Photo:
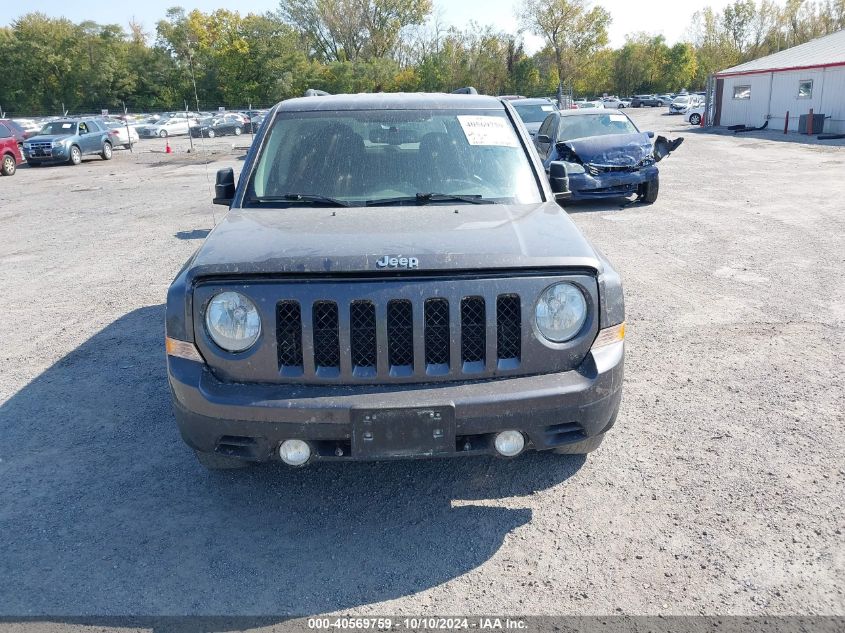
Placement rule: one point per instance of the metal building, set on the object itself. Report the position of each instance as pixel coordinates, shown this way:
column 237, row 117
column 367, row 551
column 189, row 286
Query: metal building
column 795, row 80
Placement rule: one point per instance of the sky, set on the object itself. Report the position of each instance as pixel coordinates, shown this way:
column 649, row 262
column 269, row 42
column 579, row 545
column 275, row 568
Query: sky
column 669, row 18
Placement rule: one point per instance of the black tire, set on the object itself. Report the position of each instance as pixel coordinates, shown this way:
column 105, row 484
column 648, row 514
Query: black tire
column 215, row 461
column 210, row 134
column 10, row 165
column 107, row 151
column 695, row 118
column 581, row 448
column 238, row 131
column 75, row 155
column 648, row 191
column 162, row 134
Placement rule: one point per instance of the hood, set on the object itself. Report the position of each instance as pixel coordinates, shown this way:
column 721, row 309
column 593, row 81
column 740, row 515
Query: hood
column 440, row 237
column 623, row 150
column 49, row 138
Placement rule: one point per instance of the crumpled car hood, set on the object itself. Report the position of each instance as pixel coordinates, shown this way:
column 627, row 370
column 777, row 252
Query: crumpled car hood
column 619, row 150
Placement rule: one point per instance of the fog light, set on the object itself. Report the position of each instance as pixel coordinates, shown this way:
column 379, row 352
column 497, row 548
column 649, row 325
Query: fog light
column 294, row 452
column 509, row 443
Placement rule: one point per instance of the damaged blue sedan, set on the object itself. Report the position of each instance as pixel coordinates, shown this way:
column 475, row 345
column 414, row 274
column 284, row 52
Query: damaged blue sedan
column 600, row 154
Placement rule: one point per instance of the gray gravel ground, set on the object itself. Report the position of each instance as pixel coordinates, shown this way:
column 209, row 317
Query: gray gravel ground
column 719, row 491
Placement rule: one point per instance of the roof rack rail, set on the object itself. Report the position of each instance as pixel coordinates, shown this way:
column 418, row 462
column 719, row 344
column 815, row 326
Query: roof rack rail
column 311, row 92
column 469, row 90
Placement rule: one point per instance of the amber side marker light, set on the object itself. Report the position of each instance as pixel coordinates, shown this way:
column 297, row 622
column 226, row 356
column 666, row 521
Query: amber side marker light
column 610, row 335
column 182, row 349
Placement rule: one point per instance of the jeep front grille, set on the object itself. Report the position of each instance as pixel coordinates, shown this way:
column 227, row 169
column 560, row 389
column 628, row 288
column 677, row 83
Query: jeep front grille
column 402, row 337
column 386, row 330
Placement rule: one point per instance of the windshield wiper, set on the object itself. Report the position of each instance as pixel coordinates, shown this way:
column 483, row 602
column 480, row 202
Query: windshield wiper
column 425, row 198
column 301, row 197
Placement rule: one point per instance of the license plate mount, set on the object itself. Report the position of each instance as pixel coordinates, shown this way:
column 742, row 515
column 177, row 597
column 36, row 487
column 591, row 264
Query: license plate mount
column 403, row 432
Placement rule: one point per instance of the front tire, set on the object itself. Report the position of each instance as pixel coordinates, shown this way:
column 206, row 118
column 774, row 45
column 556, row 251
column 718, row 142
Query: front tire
column 107, row 151
column 210, row 134
column 215, row 461
column 648, row 191
column 10, row 166
column 581, row 448
column 75, row 155
column 695, row 119
column 238, row 131
column 162, row 134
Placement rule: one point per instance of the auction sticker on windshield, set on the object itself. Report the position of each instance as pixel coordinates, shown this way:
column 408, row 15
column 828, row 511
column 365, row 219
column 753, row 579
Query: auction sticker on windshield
column 487, row 130
column 618, row 117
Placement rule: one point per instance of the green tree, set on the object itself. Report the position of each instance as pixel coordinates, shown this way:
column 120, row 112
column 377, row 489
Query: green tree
column 349, row 30
column 571, row 28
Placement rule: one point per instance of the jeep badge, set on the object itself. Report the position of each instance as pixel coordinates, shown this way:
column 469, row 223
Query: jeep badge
column 398, row 262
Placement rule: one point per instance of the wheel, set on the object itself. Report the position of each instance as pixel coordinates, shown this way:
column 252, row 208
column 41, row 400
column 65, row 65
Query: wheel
column 581, row 448
column 75, row 155
column 107, row 151
column 647, row 191
column 695, row 119
column 238, row 131
column 215, row 461
column 162, row 134
column 9, row 165
column 210, row 134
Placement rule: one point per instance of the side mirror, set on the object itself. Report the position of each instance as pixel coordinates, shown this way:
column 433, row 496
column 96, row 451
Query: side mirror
column 224, row 187
column 650, row 134
column 543, row 138
column 558, row 179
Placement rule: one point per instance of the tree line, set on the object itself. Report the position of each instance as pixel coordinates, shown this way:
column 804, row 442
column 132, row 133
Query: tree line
column 224, row 58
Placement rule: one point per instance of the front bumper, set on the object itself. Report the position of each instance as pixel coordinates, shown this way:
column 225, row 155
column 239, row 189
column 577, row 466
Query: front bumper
column 55, row 154
column 609, row 185
column 250, row 420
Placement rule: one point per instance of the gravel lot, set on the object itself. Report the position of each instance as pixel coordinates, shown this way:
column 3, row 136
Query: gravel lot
column 719, row 491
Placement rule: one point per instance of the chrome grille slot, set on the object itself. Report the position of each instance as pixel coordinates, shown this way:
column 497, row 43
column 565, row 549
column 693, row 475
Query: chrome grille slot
column 508, row 331
column 326, row 339
column 400, row 337
column 363, row 343
column 289, row 337
column 473, row 334
column 436, row 334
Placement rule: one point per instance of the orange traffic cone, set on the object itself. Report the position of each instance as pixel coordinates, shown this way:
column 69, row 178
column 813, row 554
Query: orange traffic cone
column 167, row 149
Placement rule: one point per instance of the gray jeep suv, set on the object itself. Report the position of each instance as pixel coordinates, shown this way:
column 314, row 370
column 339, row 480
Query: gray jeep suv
column 394, row 279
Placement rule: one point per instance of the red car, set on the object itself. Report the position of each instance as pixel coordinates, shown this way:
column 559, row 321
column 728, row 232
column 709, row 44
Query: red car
column 17, row 131
column 10, row 153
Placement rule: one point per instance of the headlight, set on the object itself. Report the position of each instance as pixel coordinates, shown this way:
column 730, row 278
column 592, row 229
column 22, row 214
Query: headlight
column 232, row 321
column 574, row 168
column 561, row 312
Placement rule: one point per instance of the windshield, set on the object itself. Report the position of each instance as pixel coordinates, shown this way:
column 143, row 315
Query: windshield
column 534, row 113
column 594, row 125
column 683, row 99
column 364, row 156
column 59, row 127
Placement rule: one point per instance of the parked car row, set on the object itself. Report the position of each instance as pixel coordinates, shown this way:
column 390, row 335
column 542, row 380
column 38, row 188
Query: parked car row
column 59, row 140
